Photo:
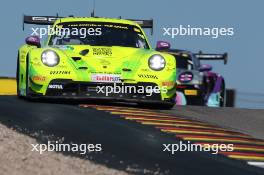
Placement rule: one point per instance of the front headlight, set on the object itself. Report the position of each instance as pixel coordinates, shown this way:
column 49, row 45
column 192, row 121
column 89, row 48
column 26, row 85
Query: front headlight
column 156, row 62
column 50, row 58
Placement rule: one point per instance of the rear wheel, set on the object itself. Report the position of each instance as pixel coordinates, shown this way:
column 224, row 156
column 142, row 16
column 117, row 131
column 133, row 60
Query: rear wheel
column 230, row 97
column 223, row 96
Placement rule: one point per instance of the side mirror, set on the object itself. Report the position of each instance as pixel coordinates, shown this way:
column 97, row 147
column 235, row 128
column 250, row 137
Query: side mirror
column 163, row 45
column 33, row 41
column 205, row 68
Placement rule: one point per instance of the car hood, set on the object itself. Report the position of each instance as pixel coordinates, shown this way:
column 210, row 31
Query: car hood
column 104, row 59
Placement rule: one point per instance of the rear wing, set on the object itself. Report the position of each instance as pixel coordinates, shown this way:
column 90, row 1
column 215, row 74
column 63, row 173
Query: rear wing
column 214, row 57
column 49, row 20
column 147, row 24
column 39, row 20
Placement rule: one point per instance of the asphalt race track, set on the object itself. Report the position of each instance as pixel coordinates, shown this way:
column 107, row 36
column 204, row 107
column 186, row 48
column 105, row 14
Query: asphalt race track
column 134, row 138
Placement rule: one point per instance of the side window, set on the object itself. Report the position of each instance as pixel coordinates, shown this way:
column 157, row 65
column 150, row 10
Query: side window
column 196, row 62
column 141, row 42
column 184, row 62
column 190, row 64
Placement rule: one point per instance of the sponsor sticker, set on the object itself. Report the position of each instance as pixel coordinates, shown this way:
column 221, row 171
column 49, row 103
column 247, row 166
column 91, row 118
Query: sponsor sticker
column 190, row 92
column 38, row 78
column 147, row 76
column 137, row 30
column 106, row 78
column 168, row 83
column 102, row 51
column 60, row 72
column 55, row 86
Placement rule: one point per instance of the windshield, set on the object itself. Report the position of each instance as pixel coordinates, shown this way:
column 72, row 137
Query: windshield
column 98, row 34
column 183, row 63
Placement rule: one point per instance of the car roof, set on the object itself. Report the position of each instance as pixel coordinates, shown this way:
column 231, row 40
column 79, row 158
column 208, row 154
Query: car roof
column 96, row 19
column 178, row 52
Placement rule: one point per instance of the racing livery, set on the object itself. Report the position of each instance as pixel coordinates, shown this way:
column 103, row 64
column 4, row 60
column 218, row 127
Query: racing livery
column 115, row 52
column 196, row 83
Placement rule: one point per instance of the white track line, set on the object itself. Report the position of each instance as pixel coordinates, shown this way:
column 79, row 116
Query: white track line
column 258, row 164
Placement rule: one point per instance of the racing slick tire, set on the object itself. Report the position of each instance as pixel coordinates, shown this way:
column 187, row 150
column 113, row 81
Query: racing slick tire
column 165, row 106
column 230, row 97
column 27, row 80
column 222, row 96
column 18, row 78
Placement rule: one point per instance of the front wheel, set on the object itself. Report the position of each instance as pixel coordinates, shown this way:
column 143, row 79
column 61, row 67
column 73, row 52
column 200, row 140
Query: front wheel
column 166, row 106
column 18, row 78
column 222, row 96
column 27, row 79
column 196, row 101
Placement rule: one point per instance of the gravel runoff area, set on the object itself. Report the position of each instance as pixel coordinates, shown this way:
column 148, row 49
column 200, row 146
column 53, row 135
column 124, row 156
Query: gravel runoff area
column 16, row 158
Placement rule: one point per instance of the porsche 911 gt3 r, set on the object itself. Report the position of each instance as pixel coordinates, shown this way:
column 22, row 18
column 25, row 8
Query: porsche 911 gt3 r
column 196, row 83
column 115, row 53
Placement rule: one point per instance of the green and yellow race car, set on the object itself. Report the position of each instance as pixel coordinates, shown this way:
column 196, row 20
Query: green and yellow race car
column 95, row 58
